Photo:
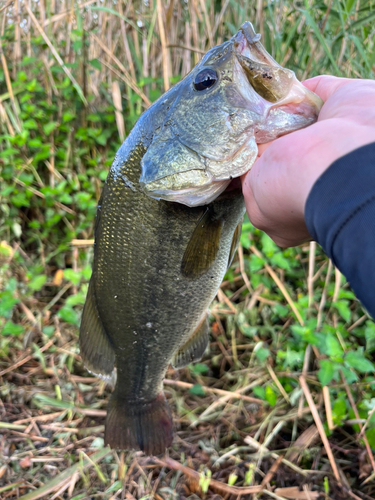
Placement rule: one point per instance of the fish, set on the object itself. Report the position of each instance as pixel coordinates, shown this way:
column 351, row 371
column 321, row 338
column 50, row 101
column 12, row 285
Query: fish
column 168, row 224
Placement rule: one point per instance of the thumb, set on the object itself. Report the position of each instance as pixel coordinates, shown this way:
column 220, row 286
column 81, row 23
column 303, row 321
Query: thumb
column 325, row 85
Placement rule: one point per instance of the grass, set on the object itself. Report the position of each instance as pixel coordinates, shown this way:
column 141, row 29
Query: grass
column 283, row 404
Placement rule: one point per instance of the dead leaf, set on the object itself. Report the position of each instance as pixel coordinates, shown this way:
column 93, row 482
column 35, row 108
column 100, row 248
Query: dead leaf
column 25, row 462
column 57, row 279
column 293, row 493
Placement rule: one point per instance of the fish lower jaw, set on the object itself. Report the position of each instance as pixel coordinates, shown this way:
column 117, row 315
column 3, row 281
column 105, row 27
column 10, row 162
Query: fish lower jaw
column 194, row 196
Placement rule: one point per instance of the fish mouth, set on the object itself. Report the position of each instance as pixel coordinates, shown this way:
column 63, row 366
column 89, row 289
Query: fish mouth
column 265, row 101
column 247, row 43
column 284, row 102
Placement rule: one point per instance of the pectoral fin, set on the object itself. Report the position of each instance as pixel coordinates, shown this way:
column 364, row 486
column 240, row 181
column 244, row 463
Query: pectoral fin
column 203, row 246
column 235, row 242
column 194, row 348
column 96, row 349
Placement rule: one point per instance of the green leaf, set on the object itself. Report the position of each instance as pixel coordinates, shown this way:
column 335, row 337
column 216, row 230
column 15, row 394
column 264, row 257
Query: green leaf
column 95, row 64
column 42, row 400
column 49, row 127
column 197, row 390
column 11, row 328
column 268, row 245
column 321, row 39
column 245, row 240
column 259, row 392
column 343, row 309
column 338, row 411
column 7, row 302
column 370, row 434
column 370, row 336
column 281, row 310
column 69, row 315
column 256, row 263
column 357, row 360
column 349, row 375
column 87, row 272
column 117, row 485
column 37, row 282
column 49, row 330
column 73, row 276
column 262, row 353
column 199, row 368
column 30, row 124
column 271, row 397
column 279, row 260
column 326, row 372
column 232, row 479
column 331, row 346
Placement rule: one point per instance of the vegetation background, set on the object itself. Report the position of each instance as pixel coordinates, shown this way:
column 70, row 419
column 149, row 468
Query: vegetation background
column 283, row 405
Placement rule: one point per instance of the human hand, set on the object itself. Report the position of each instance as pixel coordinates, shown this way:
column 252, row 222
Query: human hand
column 277, row 187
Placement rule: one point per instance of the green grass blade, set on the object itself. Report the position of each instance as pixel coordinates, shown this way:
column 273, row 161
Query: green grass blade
column 310, row 21
column 362, row 21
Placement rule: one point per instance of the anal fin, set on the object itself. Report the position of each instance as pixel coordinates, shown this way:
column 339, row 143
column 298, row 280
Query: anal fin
column 96, row 349
column 194, row 348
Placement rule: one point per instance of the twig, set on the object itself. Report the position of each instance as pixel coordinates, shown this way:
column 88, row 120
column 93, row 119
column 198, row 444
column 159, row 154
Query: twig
column 278, row 282
column 320, row 427
column 252, row 442
column 82, row 243
column 324, row 295
column 163, row 41
column 237, row 394
column 214, row 484
column 242, row 269
column 187, row 47
column 272, row 471
column 25, row 360
column 305, row 367
column 126, row 75
column 278, row 384
column 327, row 404
column 6, row 5
column 310, row 279
column 354, row 406
column 56, row 55
column 226, row 398
column 358, row 322
column 223, row 298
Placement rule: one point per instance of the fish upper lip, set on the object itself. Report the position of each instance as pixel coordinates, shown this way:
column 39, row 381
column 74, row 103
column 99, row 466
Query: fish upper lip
column 247, row 38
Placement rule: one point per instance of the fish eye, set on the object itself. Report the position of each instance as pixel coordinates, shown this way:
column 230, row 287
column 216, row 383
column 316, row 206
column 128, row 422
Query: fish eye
column 205, row 79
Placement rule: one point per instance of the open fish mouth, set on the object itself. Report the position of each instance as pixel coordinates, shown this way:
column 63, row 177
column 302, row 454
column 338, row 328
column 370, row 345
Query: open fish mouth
column 252, row 101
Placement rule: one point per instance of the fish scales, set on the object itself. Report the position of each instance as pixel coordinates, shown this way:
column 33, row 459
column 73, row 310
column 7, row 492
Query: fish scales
column 143, row 295
column 168, row 224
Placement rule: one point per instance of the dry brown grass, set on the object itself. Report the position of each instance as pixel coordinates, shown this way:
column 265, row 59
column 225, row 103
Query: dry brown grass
column 229, row 444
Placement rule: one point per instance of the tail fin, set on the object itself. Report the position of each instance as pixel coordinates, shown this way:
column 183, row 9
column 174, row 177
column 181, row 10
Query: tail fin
column 141, row 426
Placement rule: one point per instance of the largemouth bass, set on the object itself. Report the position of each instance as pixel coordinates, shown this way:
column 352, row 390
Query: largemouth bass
column 168, row 224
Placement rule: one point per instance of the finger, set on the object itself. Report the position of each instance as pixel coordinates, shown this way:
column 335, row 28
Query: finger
column 325, row 85
column 262, row 147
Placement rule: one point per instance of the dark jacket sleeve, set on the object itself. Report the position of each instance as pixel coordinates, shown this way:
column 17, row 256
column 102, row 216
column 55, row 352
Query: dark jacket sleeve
column 340, row 216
